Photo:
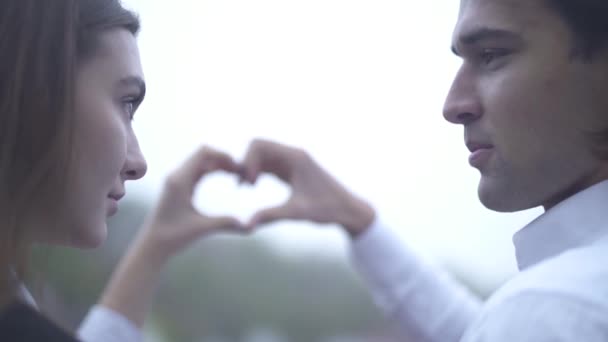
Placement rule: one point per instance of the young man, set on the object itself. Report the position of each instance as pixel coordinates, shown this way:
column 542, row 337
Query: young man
column 532, row 96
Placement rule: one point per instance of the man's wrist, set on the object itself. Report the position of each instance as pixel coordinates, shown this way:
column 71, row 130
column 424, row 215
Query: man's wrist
column 360, row 218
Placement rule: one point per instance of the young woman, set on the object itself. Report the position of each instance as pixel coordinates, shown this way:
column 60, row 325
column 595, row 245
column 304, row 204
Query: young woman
column 70, row 83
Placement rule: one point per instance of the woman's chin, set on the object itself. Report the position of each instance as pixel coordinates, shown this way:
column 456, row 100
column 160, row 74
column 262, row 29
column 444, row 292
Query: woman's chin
column 89, row 238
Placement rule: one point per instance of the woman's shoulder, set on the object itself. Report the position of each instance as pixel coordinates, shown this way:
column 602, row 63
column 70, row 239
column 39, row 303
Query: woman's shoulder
column 21, row 322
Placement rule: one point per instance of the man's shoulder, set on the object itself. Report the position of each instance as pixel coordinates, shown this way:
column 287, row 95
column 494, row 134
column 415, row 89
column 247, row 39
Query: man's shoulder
column 579, row 274
column 559, row 299
column 540, row 316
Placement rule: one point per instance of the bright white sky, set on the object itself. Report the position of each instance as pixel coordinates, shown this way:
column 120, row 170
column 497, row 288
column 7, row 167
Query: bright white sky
column 359, row 84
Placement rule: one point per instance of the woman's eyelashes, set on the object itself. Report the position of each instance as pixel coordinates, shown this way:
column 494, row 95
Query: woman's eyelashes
column 130, row 104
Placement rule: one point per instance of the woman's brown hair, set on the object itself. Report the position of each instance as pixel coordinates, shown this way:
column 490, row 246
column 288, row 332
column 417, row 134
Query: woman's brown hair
column 42, row 44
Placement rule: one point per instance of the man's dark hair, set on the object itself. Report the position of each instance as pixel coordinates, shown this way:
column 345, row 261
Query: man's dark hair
column 588, row 20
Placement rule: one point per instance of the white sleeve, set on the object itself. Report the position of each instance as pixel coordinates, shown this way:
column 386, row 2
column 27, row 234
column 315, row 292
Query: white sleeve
column 426, row 303
column 103, row 324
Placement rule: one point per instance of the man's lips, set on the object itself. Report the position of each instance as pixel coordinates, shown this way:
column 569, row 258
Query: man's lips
column 480, row 153
column 474, row 146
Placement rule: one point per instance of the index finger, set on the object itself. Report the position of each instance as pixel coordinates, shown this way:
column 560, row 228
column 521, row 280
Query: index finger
column 268, row 156
column 204, row 161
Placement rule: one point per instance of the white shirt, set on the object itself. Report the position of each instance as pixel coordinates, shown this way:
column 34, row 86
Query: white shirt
column 560, row 293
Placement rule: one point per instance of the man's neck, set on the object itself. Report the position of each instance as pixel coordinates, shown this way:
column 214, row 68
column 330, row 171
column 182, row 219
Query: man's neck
column 583, row 183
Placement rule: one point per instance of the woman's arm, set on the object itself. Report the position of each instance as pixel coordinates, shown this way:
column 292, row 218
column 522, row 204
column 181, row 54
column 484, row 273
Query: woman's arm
column 171, row 227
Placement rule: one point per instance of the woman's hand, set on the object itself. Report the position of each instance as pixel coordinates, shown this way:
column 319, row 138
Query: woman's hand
column 175, row 223
column 171, row 227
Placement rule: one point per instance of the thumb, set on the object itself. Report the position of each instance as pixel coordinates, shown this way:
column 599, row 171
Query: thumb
column 220, row 223
column 270, row 215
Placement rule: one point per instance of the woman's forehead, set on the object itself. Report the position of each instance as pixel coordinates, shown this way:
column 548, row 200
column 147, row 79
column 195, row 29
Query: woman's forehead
column 118, row 53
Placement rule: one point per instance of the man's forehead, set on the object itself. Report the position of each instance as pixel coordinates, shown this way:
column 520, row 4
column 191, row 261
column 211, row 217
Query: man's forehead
column 512, row 15
column 506, row 4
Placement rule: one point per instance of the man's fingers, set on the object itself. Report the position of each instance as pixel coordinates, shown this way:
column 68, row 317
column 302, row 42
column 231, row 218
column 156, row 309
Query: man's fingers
column 250, row 166
column 268, row 156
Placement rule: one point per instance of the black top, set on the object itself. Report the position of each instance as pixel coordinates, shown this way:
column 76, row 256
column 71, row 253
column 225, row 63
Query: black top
column 20, row 322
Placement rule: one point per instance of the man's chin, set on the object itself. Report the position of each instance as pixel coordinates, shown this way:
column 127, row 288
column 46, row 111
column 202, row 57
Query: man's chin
column 501, row 198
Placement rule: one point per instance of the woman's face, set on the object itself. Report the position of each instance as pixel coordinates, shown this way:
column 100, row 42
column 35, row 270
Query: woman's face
column 109, row 87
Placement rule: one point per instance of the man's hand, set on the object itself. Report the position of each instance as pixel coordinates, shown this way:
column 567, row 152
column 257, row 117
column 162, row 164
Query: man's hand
column 315, row 195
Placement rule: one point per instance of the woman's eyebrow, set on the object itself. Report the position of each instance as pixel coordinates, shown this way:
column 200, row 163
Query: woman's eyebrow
column 136, row 81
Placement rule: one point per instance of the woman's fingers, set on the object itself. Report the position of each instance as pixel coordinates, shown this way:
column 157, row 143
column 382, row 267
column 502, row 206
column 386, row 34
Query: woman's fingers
column 204, row 161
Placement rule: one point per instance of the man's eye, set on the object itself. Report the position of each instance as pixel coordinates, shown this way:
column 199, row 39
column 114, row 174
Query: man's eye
column 489, row 56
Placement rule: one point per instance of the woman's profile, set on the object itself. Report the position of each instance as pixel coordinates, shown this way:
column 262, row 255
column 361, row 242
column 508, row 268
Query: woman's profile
column 70, row 83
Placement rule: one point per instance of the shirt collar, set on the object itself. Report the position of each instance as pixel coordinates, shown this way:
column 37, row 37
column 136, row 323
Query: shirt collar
column 577, row 221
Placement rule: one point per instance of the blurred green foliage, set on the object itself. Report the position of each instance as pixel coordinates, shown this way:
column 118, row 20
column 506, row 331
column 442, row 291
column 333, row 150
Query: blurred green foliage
column 222, row 287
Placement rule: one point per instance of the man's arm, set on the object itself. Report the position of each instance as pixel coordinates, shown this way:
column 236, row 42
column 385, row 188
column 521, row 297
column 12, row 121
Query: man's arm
column 426, row 303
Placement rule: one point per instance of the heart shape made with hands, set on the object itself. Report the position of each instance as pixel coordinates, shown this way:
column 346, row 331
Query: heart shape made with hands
column 219, row 194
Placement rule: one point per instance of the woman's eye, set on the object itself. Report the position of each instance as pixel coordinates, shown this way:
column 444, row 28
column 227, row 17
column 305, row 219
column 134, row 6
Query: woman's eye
column 129, row 106
column 129, row 109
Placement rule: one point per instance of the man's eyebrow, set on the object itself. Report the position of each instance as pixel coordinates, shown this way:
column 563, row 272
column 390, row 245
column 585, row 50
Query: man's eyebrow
column 484, row 33
column 134, row 81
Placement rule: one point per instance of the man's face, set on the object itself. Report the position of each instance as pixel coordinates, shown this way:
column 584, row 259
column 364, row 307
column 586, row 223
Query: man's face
column 527, row 104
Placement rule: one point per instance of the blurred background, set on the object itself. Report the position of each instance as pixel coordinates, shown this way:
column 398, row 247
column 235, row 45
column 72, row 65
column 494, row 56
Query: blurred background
column 360, row 84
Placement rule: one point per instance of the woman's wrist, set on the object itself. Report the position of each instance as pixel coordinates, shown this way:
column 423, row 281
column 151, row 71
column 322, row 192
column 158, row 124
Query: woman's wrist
column 153, row 244
column 133, row 283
